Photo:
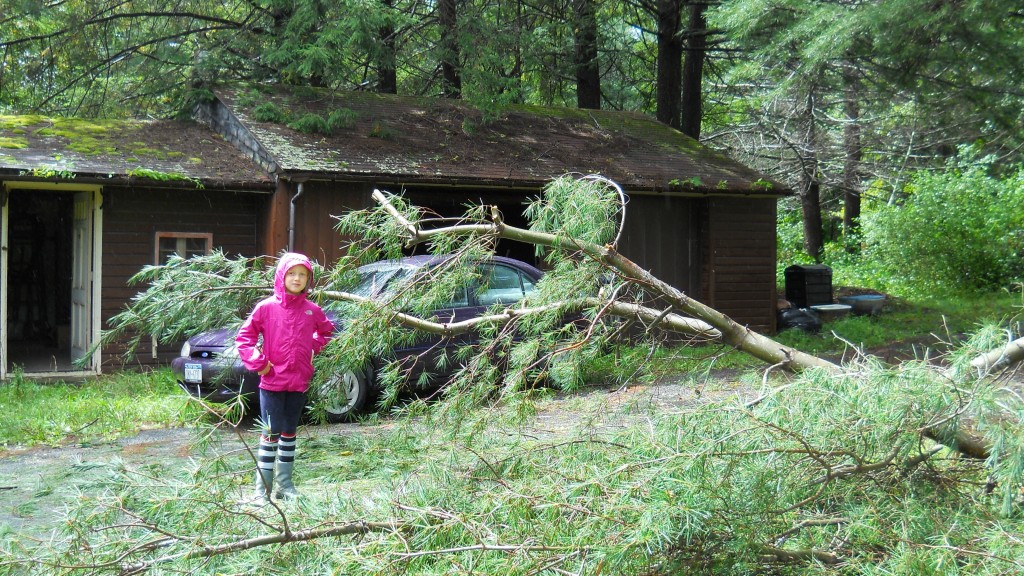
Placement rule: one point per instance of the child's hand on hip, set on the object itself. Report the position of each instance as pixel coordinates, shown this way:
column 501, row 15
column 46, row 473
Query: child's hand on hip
column 266, row 369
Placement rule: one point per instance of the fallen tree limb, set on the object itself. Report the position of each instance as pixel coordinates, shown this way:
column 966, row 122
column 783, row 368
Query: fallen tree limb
column 347, row 529
column 733, row 333
column 670, row 322
column 1000, row 358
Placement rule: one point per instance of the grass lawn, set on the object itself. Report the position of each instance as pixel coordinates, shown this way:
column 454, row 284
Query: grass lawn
column 121, row 404
column 98, row 409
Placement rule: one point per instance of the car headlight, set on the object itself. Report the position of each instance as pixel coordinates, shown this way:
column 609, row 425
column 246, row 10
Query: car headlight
column 186, row 350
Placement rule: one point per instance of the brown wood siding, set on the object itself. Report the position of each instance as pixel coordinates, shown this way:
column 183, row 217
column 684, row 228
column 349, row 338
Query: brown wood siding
column 315, row 224
column 274, row 221
column 131, row 219
column 454, row 203
column 739, row 265
column 661, row 235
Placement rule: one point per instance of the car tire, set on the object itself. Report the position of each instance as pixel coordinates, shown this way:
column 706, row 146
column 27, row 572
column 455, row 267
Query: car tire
column 348, row 394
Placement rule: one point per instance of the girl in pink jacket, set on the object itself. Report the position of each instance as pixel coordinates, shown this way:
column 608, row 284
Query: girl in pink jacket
column 293, row 331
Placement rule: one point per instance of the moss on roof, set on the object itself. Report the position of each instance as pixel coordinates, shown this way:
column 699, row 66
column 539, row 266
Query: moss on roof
column 360, row 134
column 44, row 146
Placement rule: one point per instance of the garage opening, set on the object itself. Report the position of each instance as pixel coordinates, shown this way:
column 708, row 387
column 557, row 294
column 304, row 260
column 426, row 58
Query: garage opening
column 39, row 280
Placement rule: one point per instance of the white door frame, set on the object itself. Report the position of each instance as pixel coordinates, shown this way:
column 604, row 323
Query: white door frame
column 93, row 270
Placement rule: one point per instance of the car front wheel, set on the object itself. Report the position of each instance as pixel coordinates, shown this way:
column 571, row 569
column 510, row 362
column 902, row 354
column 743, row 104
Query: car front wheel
column 347, row 395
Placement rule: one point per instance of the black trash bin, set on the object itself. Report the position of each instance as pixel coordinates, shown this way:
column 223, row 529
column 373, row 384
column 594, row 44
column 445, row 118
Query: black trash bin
column 808, row 285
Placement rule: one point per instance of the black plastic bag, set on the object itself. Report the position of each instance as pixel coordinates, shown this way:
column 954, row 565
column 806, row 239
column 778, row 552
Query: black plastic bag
column 803, row 318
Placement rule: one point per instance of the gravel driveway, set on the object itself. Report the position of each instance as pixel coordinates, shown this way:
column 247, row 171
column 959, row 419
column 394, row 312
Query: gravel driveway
column 36, row 484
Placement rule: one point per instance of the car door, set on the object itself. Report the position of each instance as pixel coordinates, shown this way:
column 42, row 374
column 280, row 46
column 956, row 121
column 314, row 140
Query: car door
column 498, row 283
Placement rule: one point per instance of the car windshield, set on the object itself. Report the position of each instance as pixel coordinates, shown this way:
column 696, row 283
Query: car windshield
column 373, row 282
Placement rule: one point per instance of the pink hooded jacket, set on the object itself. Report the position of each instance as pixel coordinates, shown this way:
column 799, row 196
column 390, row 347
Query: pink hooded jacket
column 293, row 329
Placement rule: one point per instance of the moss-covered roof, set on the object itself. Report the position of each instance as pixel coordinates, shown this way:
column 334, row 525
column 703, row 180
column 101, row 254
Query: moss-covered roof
column 349, row 135
column 188, row 153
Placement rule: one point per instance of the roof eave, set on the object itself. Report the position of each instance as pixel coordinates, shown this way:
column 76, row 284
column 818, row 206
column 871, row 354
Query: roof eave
column 252, row 186
column 769, row 190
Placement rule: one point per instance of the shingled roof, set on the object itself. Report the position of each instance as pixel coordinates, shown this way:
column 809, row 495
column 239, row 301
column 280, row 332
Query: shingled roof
column 320, row 133
column 175, row 153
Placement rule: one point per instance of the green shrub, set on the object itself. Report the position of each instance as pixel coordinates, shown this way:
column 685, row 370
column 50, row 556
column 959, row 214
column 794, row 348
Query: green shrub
column 342, row 118
column 310, row 124
column 958, row 230
column 269, row 112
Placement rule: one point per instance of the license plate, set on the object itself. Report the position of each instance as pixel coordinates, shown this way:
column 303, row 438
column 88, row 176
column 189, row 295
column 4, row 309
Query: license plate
column 193, row 372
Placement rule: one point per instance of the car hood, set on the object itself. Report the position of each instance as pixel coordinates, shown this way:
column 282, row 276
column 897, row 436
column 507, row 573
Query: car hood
column 219, row 338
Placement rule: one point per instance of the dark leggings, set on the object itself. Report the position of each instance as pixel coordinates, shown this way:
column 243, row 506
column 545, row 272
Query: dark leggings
column 281, row 412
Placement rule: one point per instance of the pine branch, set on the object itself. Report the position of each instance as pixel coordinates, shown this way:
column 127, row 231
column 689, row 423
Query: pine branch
column 733, row 333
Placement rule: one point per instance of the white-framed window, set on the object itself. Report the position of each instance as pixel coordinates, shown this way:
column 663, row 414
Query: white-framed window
column 184, row 244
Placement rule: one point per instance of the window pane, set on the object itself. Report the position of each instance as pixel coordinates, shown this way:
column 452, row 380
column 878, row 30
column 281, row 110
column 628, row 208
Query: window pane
column 502, row 285
column 168, row 247
column 195, row 247
column 186, row 245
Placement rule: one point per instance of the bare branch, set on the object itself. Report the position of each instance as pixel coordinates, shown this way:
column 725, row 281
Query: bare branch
column 344, row 529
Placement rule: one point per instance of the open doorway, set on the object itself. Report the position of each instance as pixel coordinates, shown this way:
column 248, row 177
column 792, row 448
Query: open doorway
column 39, row 270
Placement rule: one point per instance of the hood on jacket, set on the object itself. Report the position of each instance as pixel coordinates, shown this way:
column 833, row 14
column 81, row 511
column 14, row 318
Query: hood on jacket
column 287, row 260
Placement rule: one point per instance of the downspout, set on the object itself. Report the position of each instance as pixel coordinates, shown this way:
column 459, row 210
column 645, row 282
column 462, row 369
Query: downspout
column 291, row 219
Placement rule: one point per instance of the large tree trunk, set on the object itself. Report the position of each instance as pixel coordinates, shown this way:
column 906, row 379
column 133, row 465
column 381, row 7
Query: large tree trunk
column 810, row 203
column 693, row 72
column 588, row 75
column 670, row 55
column 387, row 75
column 810, row 188
column 852, row 152
column 451, row 82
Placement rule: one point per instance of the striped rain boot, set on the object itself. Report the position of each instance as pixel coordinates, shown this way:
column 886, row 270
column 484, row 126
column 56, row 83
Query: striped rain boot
column 265, row 468
column 285, row 463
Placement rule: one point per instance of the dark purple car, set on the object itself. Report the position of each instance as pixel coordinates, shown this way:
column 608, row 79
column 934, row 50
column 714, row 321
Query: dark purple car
column 209, row 366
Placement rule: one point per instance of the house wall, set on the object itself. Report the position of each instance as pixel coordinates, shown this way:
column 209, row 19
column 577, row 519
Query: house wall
column 662, row 234
column 320, row 202
column 738, row 271
column 131, row 219
column 315, row 211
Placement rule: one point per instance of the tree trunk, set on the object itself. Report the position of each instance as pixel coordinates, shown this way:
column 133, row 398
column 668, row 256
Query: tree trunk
column 999, row 358
column 852, row 150
column 810, row 203
column 693, row 72
column 588, row 74
column 810, row 189
column 451, row 82
column 387, row 75
column 670, row 56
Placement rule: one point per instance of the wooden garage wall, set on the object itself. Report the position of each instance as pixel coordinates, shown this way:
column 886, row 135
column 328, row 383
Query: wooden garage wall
column 131, row 219
column 320, row 202
column 662, row 235
column 739, row 262
column 315, row 233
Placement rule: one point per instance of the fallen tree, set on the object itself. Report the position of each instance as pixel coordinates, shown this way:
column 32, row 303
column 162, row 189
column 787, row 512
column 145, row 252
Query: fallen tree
column 1000, row 358
column 732, row 333
column 779, row 480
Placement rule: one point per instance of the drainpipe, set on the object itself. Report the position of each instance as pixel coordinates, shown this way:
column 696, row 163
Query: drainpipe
column 291, row 219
